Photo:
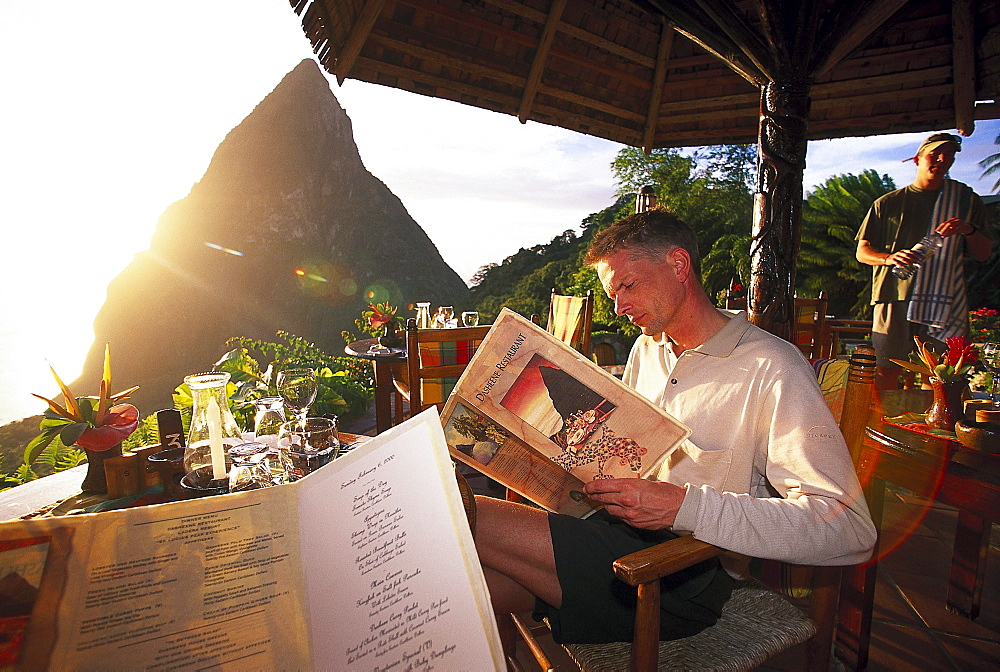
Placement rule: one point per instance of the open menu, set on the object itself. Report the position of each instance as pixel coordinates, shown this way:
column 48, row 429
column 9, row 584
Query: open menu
column 533, row 414
column 336, row 571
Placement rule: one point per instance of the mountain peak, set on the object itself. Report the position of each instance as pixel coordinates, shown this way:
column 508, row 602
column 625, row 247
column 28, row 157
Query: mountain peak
column 285, row 230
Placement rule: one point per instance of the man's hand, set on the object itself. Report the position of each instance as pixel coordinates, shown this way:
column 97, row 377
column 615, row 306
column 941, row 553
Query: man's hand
column 649, row 505
column 950, row 227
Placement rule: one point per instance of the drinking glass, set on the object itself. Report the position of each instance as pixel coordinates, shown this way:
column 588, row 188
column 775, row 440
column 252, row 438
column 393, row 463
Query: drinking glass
column 269, row 419
column 448, row 315
column 470, row 318
column 298, row 388
column 991, row 360
column 258, row 465
column 310, row 445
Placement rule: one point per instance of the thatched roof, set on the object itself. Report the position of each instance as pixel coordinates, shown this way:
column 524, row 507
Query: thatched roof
column 671, row 73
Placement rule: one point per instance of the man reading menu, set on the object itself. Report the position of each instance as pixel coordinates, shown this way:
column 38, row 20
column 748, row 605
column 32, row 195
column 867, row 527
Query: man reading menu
column 765, row 472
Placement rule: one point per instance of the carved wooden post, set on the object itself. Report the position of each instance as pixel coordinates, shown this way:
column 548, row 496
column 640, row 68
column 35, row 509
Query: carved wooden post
column 777, row 214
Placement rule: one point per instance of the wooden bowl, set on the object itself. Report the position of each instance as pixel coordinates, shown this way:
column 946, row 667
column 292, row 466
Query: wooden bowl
column 981, row 436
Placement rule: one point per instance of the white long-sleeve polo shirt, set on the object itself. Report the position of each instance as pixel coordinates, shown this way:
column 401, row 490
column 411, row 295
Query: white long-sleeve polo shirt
column 766, row 469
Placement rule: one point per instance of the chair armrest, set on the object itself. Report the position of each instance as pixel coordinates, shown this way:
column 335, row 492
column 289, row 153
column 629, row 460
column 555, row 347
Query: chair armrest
column 663, row 559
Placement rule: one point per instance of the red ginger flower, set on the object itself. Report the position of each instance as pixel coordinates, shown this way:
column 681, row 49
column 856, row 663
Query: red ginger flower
column 960, row 351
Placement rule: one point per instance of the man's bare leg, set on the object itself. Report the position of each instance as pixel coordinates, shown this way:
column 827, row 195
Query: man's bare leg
column 515, row 549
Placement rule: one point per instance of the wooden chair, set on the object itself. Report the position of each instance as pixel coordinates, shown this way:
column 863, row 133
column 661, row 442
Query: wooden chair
column 570, row 319
column 756, row 622
column 435, row 358
column 809, row 331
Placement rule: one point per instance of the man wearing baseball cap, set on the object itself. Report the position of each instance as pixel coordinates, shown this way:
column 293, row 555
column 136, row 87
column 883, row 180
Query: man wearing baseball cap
column 932, row 303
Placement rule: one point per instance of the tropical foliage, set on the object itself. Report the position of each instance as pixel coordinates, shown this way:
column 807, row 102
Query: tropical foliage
column 991, row 166
column 831, row 215
column 711, row 189
column 345, row 384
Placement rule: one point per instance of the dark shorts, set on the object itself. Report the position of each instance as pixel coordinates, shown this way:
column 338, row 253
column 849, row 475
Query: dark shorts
column 598, row 607
column 892, row 333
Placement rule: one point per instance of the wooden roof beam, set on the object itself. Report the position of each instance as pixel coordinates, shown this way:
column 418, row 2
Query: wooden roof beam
column 541, row 56
column 656, row 90
column 734, row 24
column 847, row 29
column 700, row 30
column 963, row 65
column 584, row 36
column 360, row 31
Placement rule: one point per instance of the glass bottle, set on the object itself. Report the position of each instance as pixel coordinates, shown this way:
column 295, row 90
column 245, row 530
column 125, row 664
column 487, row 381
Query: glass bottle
column 927, row 246
column 211, row 422
column 423, row 315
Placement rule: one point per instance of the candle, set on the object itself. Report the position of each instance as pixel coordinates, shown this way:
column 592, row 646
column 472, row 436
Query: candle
column 215, row 439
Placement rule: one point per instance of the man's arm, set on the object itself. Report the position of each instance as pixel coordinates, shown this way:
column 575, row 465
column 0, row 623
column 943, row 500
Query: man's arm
column 867, row 254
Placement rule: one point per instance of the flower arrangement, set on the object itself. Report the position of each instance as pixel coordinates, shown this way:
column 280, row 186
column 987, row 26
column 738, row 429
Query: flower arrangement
column 93, row 423
column 376, row 318
column 956, row 364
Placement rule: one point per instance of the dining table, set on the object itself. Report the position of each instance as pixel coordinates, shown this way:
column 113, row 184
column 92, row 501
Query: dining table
column 386, row 363
column 59, row 493
column 935, row 467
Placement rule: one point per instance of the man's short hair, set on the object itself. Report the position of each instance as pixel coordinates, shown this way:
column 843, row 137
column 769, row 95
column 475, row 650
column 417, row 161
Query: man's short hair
column 648, row 234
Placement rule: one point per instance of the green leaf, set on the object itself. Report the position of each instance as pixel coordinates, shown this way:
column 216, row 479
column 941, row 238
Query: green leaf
column 53, row 421
column 88, row 409
column 182, row 396
column 39, row 443
column 70, row 433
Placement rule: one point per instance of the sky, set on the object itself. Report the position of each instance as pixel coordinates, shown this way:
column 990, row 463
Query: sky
column 112, row 111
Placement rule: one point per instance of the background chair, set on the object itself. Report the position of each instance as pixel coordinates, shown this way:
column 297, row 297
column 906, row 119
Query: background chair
column 757, row 622
column 435, row 358
column 570, row 319
column 809, row 331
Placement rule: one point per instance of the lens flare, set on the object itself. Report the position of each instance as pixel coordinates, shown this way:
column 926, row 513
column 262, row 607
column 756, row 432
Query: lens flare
column 327, row 281
column 383, row 290
column 227, row 250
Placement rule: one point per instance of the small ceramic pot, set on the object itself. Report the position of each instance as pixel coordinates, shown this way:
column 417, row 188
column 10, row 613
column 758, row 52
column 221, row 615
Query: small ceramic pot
column 979, row 434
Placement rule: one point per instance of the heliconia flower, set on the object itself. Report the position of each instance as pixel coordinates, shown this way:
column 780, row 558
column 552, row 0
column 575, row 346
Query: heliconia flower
column 119, row 422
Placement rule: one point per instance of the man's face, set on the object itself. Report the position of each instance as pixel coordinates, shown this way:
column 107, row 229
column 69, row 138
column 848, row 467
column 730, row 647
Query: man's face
column 932, row 166
column 647, row 291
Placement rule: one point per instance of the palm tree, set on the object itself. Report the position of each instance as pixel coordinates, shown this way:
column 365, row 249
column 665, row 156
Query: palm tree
column 831, row 215
column 991, row 164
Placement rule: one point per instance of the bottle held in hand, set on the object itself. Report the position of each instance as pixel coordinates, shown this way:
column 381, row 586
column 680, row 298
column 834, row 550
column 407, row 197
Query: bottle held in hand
column 927, row 246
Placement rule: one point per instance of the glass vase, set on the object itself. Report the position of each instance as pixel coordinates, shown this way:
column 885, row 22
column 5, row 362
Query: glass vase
column 211, row 421
column 946, row 408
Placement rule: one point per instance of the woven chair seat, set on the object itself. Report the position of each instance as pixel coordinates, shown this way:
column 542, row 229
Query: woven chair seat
column 756, row 623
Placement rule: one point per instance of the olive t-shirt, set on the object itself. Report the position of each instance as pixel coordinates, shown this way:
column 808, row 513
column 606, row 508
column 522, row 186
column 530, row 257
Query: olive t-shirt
column 897, row 221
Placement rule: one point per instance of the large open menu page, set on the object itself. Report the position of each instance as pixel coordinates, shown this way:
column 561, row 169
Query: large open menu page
column 367, row 564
